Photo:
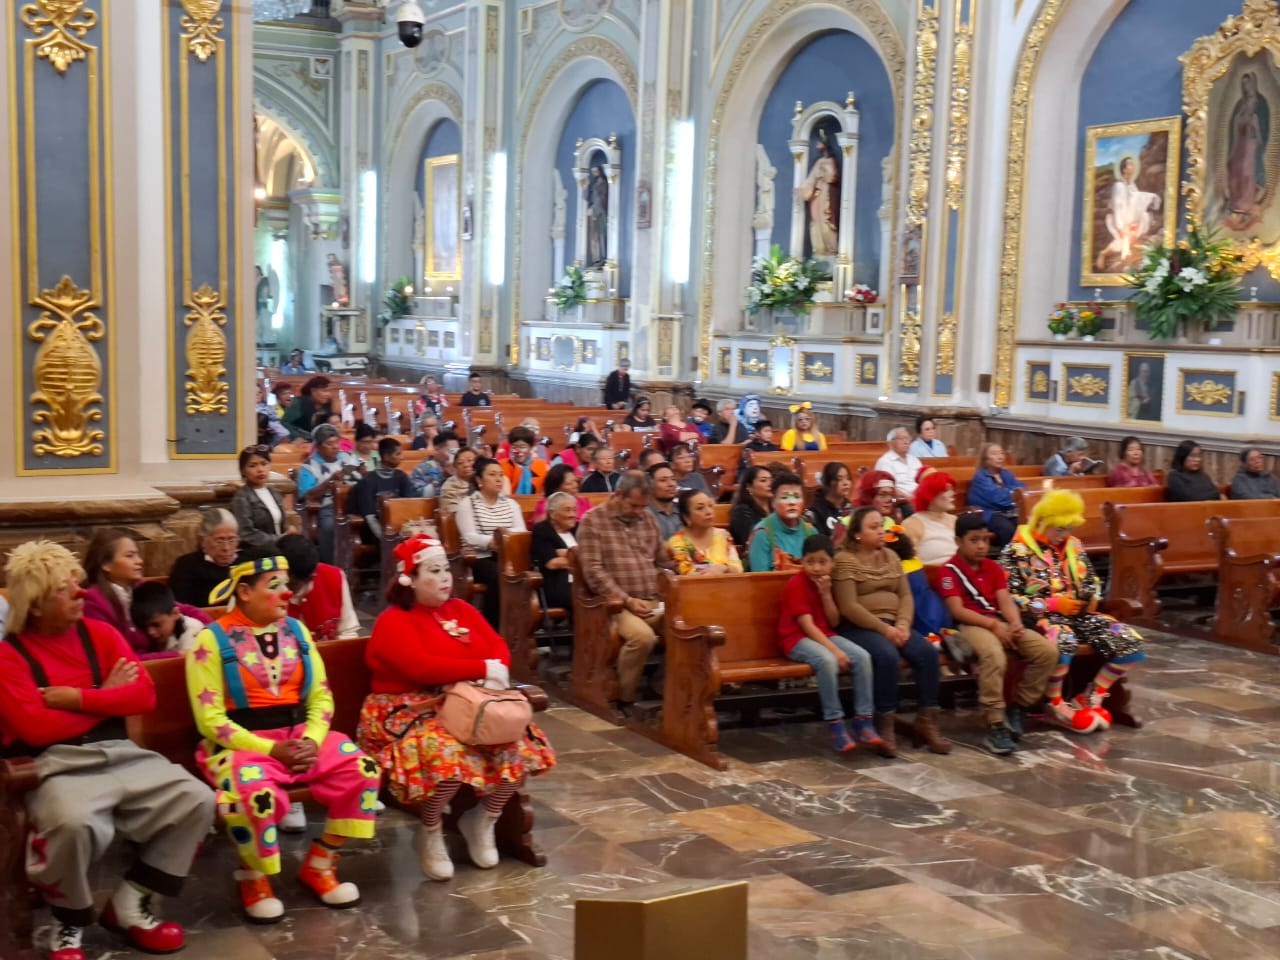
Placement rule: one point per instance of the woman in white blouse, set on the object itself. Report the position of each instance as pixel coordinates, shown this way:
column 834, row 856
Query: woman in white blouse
column 257, row 508
column 478, row 517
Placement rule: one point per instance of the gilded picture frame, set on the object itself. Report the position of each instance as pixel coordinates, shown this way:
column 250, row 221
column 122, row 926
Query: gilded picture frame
column 1085, row 385
column 1130, row 197
column 1208, row 393
column 441, row 179
column 1142, row 399
column 1231, row 96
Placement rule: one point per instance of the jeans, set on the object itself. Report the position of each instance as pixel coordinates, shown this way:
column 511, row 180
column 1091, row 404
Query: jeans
column 823, row 662
column 325, row 533
column 885, row 658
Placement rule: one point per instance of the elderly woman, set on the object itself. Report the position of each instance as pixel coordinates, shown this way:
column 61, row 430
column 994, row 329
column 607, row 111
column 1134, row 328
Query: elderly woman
column 1131, row 469
column 479, row 516
column 1187, row 479
column 700, row 546
column 992, row 491
column 803, row 435
column 751, row 503
column 681, row 458
column 112, row 568
column 831, row 504
column 777, row 542
column 321, row 475
column 316, row 396
column 876, row 612
column 932, row 528
column 561, row 479
column 1053, row 584
column 640, row 418
column 926, row 444
column 459, row 486
column 675, row 429
column 1071, row 460
column 1254, row 481
column 195, row 574
column 258, row 509
column 424, row 640
column 549, row 548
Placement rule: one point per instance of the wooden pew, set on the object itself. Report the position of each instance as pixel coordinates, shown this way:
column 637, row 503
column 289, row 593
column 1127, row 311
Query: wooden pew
column 394, row 514
column 1094, row 534
column 170, row 730
column 719, row 465
column 1151, row 542
column 1248, row 580
column 593, row 681
column 521, row 612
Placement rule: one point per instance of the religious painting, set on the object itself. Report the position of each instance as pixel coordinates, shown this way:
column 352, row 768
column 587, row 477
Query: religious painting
column 1130, row 196
column 1231, row 94
column 1209, row 393
column 820, row 191
column 443, row 211
column 1143, row 387
column 1086, row 384
column 912, row 244
column 1039, row 382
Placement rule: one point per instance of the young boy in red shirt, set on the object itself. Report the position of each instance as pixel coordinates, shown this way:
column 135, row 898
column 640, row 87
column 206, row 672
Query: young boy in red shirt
column 806, row 631
column 976, row 592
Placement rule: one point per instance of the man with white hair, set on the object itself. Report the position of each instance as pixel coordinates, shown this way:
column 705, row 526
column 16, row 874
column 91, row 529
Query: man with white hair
column 66, row 686
column 727, row 429
column 896, row 461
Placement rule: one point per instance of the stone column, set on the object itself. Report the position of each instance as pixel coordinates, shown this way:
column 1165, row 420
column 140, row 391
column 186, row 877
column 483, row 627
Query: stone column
column 359, row 164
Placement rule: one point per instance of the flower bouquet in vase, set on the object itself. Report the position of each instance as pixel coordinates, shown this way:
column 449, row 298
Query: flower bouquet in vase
column 571, row 290
column 783, row 285
column 1197, row 280
column 1062, row 321
column 1088, row 322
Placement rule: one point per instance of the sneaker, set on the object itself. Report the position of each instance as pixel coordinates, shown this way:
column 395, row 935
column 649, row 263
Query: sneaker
column 66, row 943
column 477, row 827
column 1015, row 718
column 864, row 730
column 260, row 904
column 295, row 821
column 319, row 874
column 999, row 740
column 433, row 855
column 841, row 742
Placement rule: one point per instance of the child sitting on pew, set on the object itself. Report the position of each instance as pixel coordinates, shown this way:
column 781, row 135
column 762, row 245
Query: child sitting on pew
column 807, row 635
column 156, row 614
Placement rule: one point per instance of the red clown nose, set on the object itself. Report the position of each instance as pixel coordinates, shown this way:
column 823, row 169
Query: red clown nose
column 286, row 596
column 80, row 594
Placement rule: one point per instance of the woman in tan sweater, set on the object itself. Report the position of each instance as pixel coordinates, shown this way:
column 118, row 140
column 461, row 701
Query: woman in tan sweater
column 876, row 609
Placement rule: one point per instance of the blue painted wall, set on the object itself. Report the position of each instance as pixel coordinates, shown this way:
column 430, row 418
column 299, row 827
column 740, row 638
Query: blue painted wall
column 442, row 140
column 827, row 68
column 1134, row 74
column 602, row 108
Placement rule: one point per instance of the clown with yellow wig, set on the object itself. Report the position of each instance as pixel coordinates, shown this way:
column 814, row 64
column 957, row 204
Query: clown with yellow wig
column 803, row 435
column 1055, row 588
column 262, row 702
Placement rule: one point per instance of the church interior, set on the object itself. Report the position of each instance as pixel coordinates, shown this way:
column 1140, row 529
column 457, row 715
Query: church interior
column 760, row 313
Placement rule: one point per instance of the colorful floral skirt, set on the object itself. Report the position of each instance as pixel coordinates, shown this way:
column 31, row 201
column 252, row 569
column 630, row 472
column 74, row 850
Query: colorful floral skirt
column 1105, row 634
column 402, row 733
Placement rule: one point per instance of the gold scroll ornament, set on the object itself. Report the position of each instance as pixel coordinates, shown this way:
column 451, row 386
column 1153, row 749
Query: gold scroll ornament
column 206, row 352
column 1087, row 385
column 67, row 373
column 202, row 24
column 62, row 47
column 1209, row 393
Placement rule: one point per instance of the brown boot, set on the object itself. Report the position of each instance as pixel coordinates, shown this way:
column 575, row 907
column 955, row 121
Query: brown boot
column 885, row 723
column 926, row 731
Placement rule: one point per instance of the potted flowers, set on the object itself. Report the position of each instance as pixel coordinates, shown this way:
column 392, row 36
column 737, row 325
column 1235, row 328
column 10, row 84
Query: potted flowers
column 1088, row 322
column 1195, row 280
column 396, row 303
column 571, row 290
column 1062, row 321
column 861, row 295
column 782, row 284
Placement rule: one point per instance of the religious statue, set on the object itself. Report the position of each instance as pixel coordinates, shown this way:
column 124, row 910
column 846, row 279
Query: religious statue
column 338, row 280
column 765, row 172
column 265, row 300
column 597, row 196
column 821, row 191
column 1248, row 136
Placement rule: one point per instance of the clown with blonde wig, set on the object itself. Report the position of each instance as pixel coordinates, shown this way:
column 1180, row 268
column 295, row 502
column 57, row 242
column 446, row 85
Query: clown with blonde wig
column 66, row 686
column 425, row 639
column 1056, row 590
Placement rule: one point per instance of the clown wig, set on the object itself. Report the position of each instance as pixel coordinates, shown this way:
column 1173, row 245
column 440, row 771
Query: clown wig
column 33, row 573
column 865, row 494
column 1057, row 508
column 932, row 485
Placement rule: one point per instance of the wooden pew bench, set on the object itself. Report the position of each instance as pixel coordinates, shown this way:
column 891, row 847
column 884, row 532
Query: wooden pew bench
column 1094, row 535
column 1152, row 542
column 170, row 731
column 1248, row 582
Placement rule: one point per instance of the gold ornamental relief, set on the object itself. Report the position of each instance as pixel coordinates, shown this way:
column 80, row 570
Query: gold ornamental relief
column 66, row 23
column 206, row 351
column 1040, row 382
column 67, row 373
column 1208, row 393
column 909, row 374
column 203, row 25
column 947, row 344
column 1087, row 385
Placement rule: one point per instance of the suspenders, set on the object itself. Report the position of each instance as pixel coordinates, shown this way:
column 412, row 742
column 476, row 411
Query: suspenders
column 37, row 672
column 232, row 680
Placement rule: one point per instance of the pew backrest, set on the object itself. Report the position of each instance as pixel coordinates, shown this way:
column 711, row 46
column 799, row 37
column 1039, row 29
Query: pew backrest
column 744, row 605
column 1094, row 534
column 1184, row 525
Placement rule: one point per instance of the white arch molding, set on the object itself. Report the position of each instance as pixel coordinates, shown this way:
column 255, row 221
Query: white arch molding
column 433, row 103
column 303, row 136
column 547, row 110
column 765, row 51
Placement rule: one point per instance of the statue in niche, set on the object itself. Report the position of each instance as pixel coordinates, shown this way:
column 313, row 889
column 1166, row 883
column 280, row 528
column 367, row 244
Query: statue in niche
column 559, row 205
column 597, row 197
column 1248, row 136
column 821, row 191
column 765, row 172
column 338, row 280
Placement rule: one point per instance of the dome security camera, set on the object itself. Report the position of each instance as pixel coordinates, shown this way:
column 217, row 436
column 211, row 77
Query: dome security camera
column 409, row 19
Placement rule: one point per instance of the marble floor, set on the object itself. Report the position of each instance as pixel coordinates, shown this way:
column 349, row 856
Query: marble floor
column 1155, row 844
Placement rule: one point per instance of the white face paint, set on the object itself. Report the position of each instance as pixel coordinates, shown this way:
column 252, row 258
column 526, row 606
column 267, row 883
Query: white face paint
column 434, row 582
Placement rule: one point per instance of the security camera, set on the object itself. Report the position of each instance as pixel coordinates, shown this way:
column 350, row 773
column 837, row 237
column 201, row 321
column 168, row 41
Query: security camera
column 409, row 19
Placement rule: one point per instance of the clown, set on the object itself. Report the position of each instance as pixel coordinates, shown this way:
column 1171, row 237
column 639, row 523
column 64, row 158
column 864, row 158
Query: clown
column 1056, row 590
column 749, row 412
column 803, row 435
column 262, row 701
column 66, row 686
column 423, row 640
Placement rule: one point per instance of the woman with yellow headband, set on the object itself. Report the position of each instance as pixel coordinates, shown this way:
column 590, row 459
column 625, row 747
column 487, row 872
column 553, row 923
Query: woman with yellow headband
column 1056, row 590
column 803, row 435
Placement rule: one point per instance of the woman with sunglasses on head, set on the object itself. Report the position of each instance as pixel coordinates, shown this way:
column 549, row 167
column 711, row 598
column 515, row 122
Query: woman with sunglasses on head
column 803, row 435
column 258, row 509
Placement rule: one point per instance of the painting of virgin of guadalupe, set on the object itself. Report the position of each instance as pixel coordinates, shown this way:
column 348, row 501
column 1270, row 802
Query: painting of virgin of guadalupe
column 1243, row 151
